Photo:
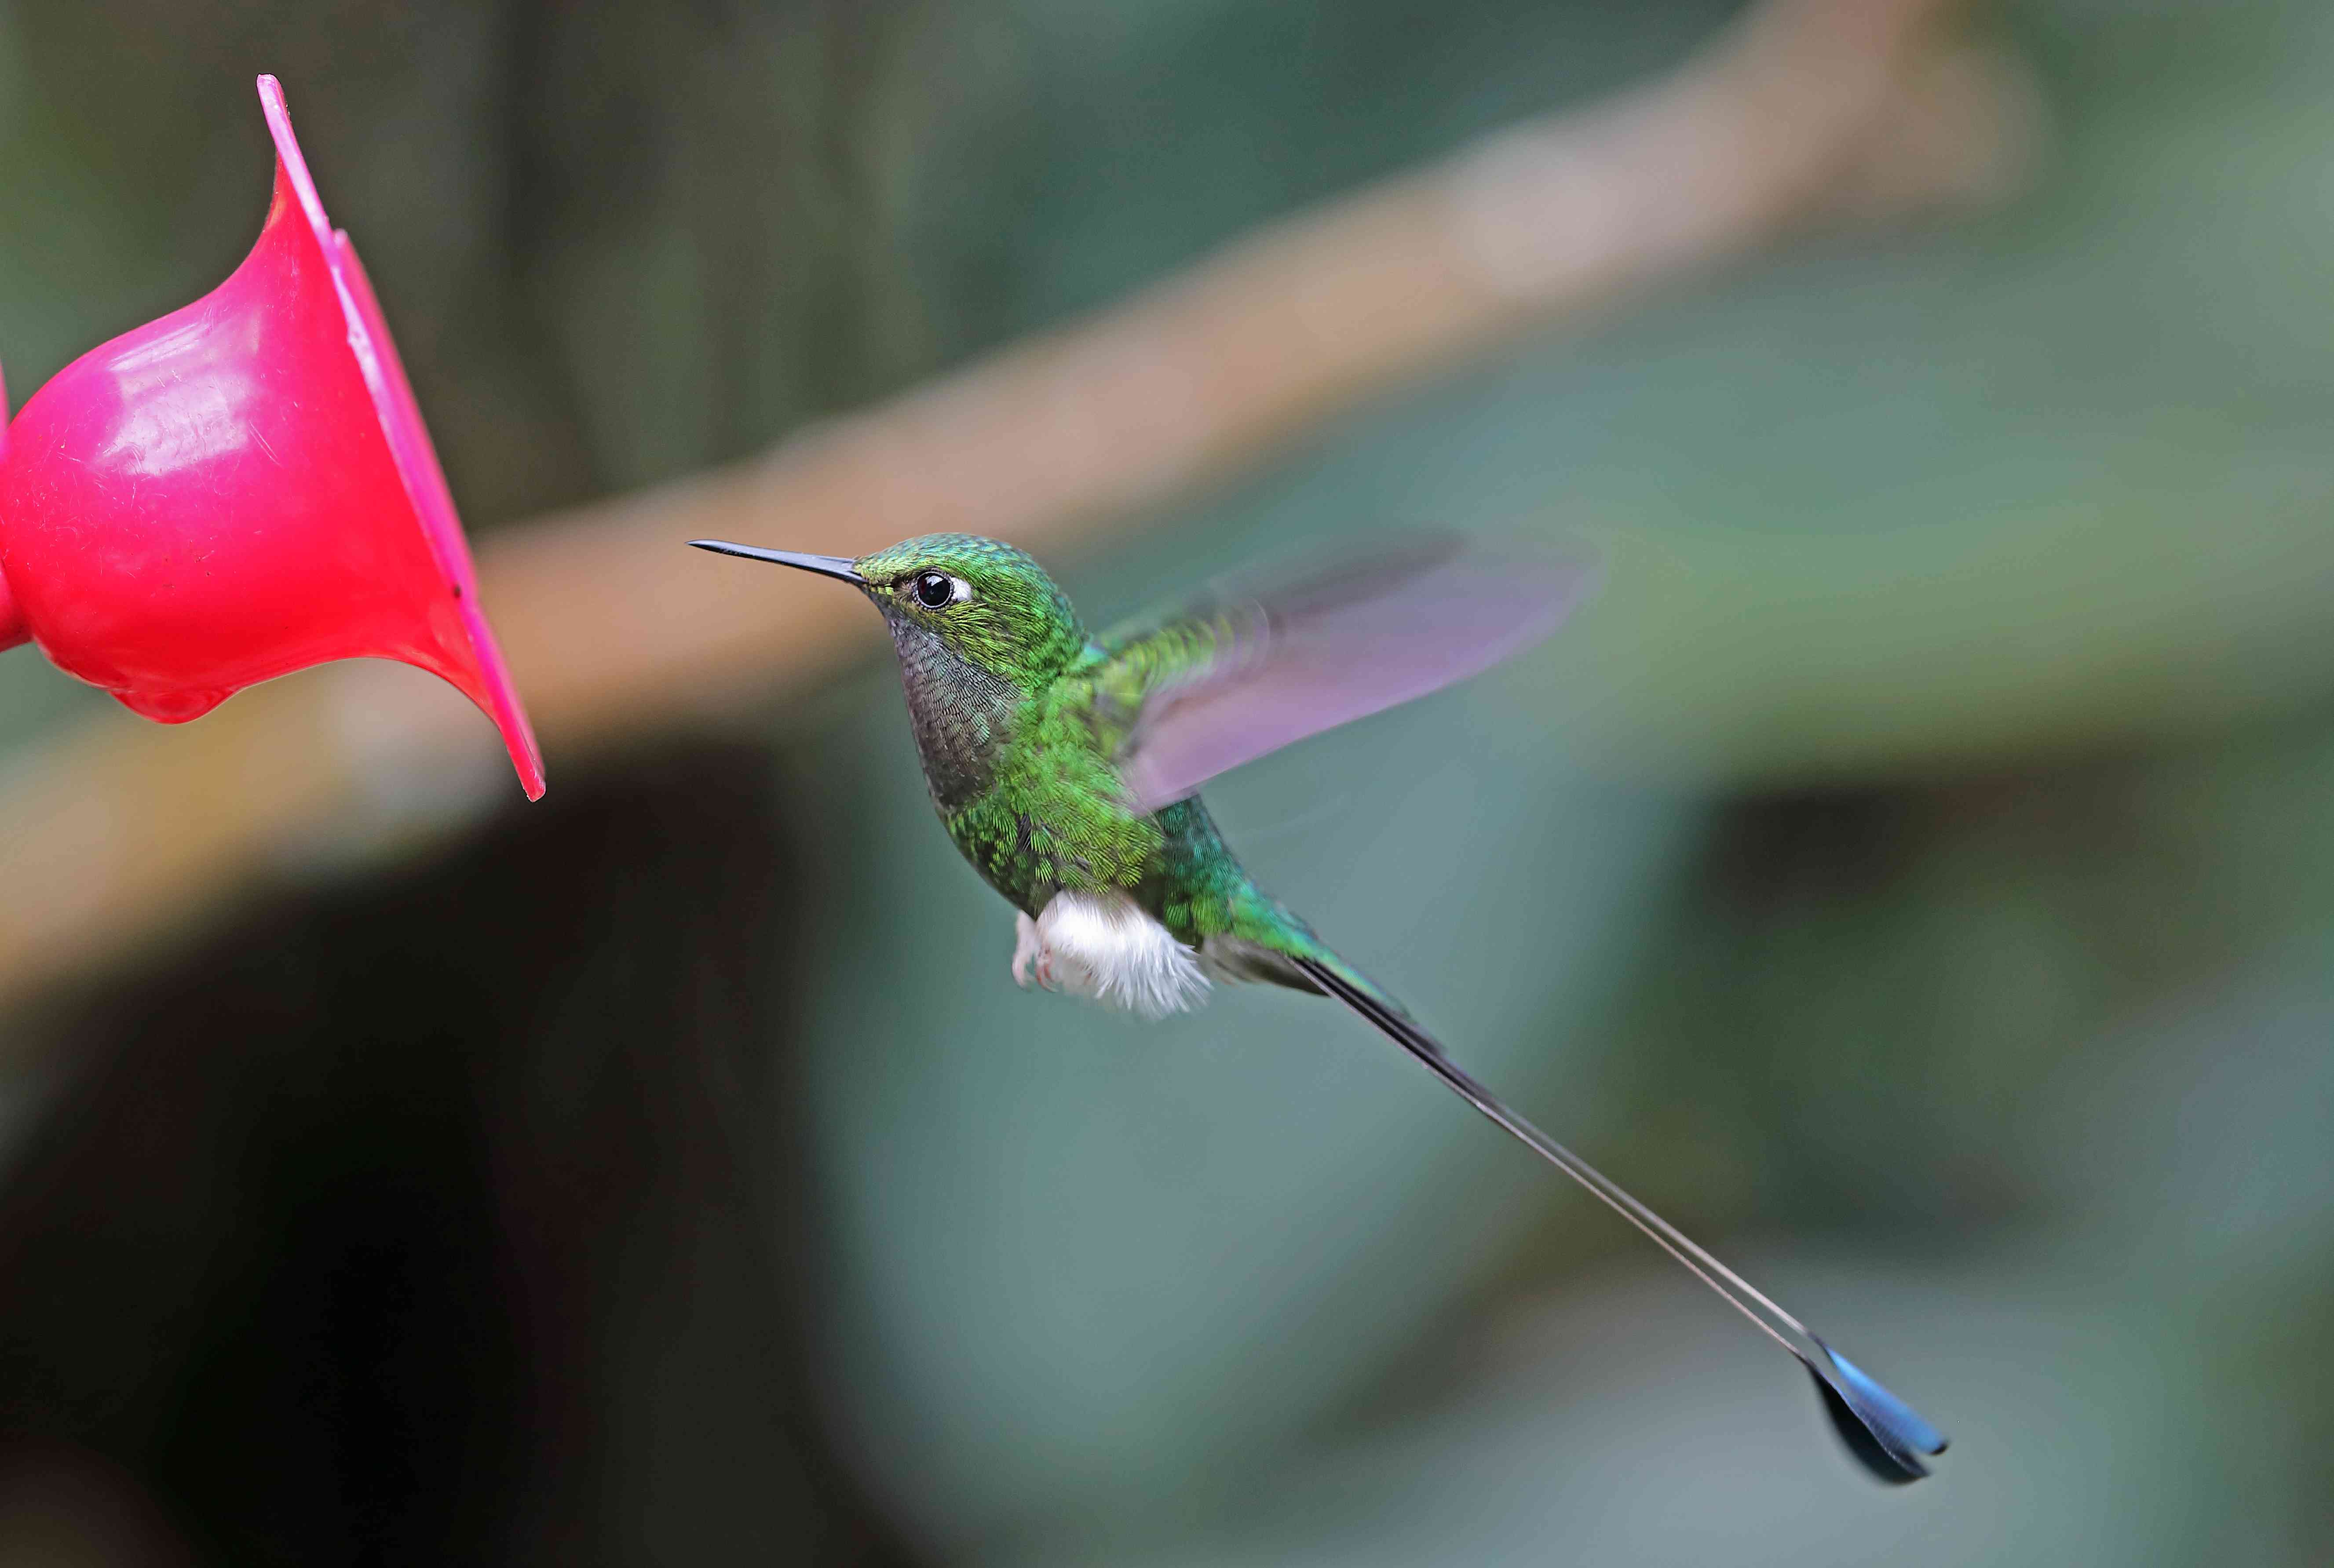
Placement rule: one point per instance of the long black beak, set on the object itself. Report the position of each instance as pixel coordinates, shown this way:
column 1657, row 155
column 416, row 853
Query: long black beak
column 824, row 565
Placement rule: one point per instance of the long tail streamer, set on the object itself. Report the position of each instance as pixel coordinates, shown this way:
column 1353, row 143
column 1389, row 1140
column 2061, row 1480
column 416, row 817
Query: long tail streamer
column 1884, row 1433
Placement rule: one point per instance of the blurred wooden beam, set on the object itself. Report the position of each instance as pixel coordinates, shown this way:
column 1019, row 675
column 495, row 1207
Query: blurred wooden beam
column 120, row 833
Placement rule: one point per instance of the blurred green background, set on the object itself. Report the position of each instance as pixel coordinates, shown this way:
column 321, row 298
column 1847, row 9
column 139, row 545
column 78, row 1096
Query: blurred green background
column 1914, row 875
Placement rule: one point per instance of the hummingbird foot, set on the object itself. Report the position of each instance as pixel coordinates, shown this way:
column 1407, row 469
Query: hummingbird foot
column 1032, row 963
column 1106, row 947
column 1026, row 950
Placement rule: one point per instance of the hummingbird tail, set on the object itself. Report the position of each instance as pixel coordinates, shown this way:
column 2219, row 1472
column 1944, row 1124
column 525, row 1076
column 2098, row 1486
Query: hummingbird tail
column 1884, row 1433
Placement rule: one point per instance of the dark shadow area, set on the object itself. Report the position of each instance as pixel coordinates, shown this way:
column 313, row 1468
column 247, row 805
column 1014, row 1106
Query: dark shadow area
column 450, row 1222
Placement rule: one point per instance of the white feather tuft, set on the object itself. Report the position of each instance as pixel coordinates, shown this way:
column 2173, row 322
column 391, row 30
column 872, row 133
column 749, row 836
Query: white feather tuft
column 1106, row 947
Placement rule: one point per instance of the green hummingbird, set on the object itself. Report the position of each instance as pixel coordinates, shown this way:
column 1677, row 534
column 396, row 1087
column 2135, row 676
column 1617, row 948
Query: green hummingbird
column 1067, row 768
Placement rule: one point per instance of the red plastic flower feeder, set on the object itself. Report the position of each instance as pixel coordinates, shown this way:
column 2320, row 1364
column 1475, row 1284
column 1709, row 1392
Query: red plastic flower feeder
column 243, row 488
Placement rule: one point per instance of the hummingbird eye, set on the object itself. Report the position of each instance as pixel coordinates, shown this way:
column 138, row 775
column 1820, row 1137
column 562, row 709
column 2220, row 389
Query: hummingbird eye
column 937, row 590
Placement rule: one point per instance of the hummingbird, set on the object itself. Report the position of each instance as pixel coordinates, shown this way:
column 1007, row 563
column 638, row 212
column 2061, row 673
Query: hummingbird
column 1067, row 767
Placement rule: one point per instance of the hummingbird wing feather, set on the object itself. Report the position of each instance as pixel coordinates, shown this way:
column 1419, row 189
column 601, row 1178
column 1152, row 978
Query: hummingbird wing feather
column 1183, row 697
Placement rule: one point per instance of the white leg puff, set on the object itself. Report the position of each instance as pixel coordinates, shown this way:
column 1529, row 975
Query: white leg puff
column 1106, row 947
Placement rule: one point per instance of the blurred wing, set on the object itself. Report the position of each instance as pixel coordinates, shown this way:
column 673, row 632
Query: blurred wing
column 1187, row 697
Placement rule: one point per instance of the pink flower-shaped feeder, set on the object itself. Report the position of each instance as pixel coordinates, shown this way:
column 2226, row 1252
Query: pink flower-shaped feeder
column 243, row 488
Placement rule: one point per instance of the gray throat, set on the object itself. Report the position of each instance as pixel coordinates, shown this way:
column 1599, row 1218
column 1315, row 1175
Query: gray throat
column 961, row 715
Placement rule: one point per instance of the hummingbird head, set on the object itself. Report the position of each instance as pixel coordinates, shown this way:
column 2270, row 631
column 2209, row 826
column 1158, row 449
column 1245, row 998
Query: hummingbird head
column 955, row 600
